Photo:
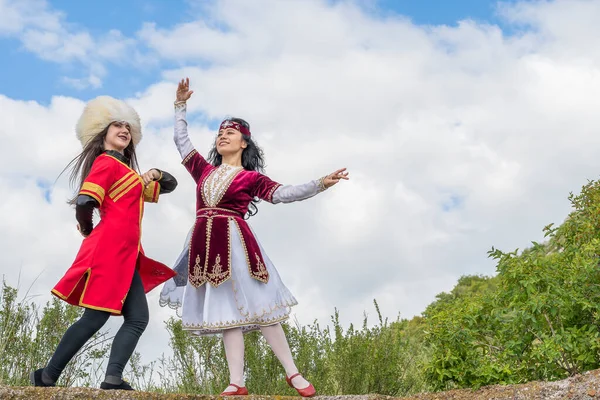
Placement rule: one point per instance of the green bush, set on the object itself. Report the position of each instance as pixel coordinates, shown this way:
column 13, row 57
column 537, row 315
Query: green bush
column 536, row 320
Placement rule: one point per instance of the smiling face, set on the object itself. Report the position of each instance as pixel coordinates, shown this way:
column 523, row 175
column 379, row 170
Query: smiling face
column 229, row 142
column 118, row 136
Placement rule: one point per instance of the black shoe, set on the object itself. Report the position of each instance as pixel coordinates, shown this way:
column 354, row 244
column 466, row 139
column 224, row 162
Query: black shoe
column 122, row 386
column 36, row 378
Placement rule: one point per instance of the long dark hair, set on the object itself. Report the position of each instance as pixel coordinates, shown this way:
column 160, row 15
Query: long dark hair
column 253, row 159
column 81, row 165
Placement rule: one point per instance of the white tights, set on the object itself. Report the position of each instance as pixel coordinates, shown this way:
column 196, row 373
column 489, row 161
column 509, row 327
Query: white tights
column 233, row 340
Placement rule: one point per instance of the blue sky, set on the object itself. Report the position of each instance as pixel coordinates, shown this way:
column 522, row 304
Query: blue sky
column 436, row 12
column 31, row 78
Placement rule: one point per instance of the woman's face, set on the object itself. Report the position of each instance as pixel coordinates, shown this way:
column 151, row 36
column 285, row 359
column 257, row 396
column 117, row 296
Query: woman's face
column 230, row 141
column 118, row 136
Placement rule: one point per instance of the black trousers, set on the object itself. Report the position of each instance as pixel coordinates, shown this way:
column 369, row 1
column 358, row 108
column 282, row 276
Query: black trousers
column 135, row 313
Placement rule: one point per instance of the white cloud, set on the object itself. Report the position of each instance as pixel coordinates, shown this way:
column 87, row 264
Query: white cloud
column 92, row 81
column 457, row 139
column 15, row 16
column 46, row 33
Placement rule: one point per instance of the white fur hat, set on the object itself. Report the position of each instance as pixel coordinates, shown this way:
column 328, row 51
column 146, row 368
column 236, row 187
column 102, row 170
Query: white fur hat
column 101, row 112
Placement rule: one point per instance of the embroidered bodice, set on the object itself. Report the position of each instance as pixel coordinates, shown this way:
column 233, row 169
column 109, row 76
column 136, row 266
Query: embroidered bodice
column 217, row 183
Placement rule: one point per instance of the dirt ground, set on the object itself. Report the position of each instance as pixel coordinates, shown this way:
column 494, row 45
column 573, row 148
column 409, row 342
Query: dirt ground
column 580, row 387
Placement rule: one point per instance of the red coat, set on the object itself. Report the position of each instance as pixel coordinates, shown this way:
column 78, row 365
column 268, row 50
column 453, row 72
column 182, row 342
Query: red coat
column 101, row 274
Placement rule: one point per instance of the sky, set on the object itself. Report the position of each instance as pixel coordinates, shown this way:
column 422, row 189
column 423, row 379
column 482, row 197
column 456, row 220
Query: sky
column 464, row 125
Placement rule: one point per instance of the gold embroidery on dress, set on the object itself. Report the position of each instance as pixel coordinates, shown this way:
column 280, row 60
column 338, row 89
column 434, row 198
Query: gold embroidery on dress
column 262, row 270
column 218, row 268
column 229, row 219
column 208, row 233
column 271, row 192
column 217, row 183
column 190, row 253
column 244, row 246
column 235, row 324
column 260, row 276
column 218, row 274
column 197, row 267
column 197, row 278
column 188, row 157
column 321, row 184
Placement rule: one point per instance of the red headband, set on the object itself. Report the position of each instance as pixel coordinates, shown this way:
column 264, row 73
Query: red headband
column 232, row 124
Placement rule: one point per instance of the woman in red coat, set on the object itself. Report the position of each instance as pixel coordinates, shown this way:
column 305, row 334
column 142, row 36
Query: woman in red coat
column 111, row 273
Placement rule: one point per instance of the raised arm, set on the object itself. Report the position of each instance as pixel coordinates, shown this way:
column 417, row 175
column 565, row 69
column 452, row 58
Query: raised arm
column 192, row 160
column 181, row 138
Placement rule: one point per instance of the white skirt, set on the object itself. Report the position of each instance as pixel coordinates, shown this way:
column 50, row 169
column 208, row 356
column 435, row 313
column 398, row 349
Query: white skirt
column 240, row 302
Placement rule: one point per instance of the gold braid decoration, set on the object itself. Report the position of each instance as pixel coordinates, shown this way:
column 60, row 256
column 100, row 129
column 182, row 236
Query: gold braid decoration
column 321, row 184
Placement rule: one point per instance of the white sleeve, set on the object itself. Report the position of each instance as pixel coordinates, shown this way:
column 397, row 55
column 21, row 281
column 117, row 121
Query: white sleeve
column 291, row 193
column 181, row 138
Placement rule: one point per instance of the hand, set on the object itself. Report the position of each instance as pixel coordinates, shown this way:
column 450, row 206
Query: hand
column 82, row 234
column 335, row 177
column 151, row 175
column 183, row 90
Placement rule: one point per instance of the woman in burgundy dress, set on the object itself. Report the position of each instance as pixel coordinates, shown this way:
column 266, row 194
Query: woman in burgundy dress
column 226, row 283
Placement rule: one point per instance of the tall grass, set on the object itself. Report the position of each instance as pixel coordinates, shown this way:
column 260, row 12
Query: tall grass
column 382, row 358
column 29, row 334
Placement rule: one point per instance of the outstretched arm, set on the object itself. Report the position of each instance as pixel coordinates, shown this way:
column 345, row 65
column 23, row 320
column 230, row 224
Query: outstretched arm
column 292, row 193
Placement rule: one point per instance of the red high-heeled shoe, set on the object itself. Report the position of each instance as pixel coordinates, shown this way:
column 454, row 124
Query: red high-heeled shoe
column 308, row 391
column 240, row 391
